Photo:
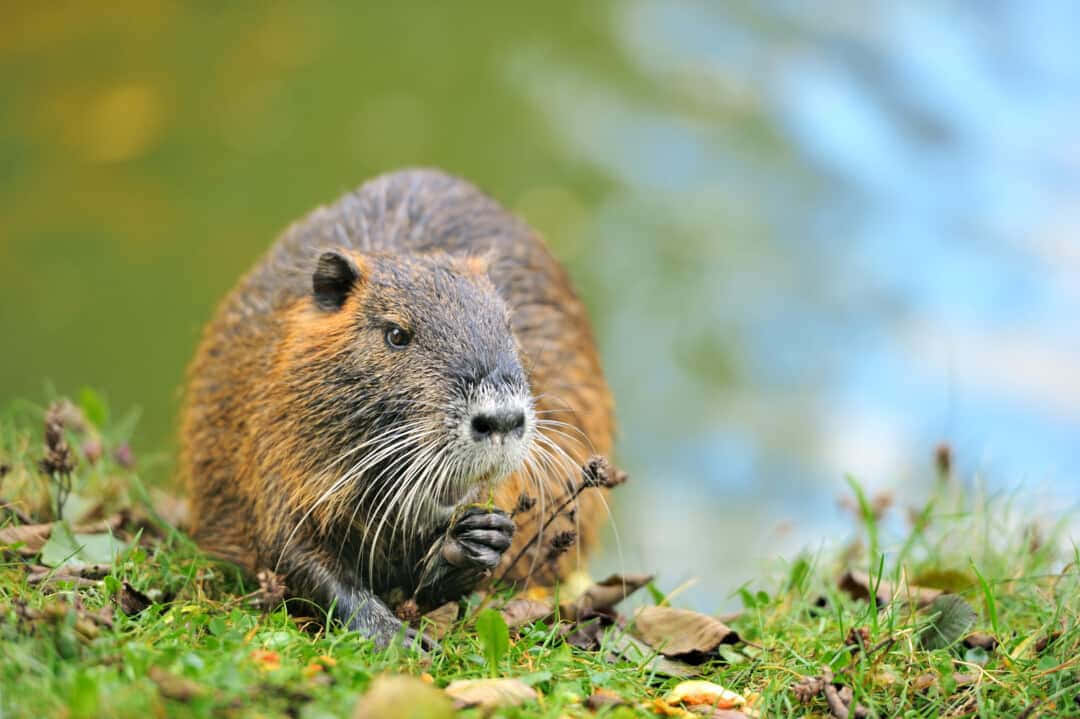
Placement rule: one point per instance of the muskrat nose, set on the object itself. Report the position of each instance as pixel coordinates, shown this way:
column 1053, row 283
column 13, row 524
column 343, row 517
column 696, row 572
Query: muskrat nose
column 498, row 424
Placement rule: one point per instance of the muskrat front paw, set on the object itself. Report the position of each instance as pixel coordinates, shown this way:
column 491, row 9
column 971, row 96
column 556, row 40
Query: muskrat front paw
column 478, row 537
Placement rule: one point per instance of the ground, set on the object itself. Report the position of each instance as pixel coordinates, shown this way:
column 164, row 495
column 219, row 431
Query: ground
column 122, row 616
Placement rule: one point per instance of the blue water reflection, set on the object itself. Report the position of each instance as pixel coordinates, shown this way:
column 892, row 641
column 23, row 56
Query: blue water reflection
column 843, row 232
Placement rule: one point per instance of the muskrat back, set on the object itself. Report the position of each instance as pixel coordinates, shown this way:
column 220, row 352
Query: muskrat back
column 393, row 361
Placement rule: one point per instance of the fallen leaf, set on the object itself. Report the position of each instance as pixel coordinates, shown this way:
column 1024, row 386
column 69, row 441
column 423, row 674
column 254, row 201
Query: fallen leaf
column 67, row 547
column 604, row 595
column 604, row 698
column 490, row 693
column 858, row 585
column 925, row 681
column 1046, row 640
column 131, row 601
column 85, row 622
column 438, row 621
column 402, row 697
column 521, row 612
column 681, row 632
column 629, row 648
column 87, row 575
column 698, row 692
column 585, row 635
column 172, row 686
column 31, row 536
column 963, row 680
column 951, row 619
column 980, row 640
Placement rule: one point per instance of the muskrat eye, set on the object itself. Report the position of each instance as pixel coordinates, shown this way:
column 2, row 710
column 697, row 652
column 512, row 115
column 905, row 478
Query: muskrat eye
column 398, row 338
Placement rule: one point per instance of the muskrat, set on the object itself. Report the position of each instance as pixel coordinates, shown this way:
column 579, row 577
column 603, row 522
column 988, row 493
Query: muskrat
column 400, row 371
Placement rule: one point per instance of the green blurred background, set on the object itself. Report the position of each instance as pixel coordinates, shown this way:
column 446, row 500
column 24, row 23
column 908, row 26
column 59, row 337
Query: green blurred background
column 153, row 150
column 814, row 238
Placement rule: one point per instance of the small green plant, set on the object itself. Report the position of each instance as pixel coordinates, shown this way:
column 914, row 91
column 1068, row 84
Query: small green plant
column 494, row 636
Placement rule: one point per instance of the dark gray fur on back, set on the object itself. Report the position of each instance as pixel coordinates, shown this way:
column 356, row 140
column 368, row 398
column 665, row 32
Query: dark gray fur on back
column 407, row 211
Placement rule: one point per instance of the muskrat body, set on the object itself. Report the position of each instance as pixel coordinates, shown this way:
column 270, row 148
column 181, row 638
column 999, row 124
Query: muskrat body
column 397, row 361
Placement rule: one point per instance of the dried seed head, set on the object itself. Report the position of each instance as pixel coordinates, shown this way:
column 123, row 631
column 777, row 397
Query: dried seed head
column 58, row 459
column 524, row 504
column 943, row 459
column 598, row 472
column 858, row 637
column 561, row 542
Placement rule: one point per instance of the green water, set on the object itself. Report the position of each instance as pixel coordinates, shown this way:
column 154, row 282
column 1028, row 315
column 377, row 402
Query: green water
column 152, row 151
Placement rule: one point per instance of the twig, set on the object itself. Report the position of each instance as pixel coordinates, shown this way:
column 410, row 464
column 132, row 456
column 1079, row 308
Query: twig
column 597, row 472
column 1030, row 709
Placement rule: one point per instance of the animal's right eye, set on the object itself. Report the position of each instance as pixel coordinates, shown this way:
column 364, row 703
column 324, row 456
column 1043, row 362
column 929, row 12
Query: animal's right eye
column 398, row 338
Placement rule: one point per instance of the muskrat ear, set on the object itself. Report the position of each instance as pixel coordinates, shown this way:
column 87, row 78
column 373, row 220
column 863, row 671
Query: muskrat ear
column 335, row 276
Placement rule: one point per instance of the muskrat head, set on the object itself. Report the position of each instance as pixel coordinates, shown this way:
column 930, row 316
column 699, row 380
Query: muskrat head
column 437, row 406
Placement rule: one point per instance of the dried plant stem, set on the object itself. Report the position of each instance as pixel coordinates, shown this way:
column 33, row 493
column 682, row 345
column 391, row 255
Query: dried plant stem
column 597, row 472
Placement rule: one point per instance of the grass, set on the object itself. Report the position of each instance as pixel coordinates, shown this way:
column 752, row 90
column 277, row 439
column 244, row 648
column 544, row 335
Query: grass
column 206, row 652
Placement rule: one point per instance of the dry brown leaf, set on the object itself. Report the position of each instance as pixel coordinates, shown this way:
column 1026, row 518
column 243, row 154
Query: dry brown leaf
column 858, row 585
column 604, row 698
column 33, row 537
column 520, row 612
column 585, row 635
column 403, row 697
column 980, row 640
column 602, row 596
column 628, row 647
column 438, row 621
column 490, row 693
column 1046, row 640
column 681, row 632
column 80, row 575
column 926, row 681
column 175, row 687
column 131, row 601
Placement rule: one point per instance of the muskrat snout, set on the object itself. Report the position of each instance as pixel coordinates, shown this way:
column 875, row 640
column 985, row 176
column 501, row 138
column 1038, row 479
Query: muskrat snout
column 497, row 430
column 499, row 425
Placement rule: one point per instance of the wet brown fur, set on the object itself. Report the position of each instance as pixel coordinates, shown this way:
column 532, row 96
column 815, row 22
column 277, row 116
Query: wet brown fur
column 253, row 454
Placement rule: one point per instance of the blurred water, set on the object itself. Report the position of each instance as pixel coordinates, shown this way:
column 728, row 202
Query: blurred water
column 816, row 238
column 843, row 232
